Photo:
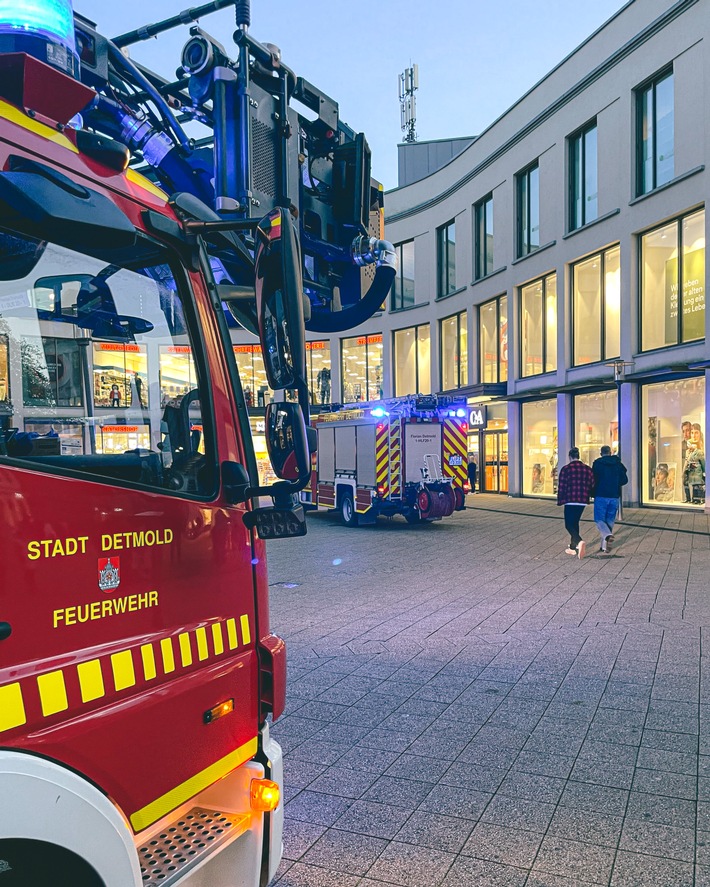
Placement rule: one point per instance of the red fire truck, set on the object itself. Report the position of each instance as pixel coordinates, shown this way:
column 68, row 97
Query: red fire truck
column 404, row 456
column 137, row 663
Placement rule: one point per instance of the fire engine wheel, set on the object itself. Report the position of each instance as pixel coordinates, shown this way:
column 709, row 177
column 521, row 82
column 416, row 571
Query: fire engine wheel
column 348, row 515
column 413, row 517
column 424, row 502
column 25, row 863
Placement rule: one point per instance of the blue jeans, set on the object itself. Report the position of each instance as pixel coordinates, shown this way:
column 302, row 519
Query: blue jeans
column 604, row 516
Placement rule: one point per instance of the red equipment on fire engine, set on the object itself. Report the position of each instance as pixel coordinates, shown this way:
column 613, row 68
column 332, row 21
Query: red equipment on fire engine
column 403, row 456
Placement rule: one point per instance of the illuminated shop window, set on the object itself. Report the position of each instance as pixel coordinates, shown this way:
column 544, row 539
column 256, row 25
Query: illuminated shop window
column 120, row 375
column 454, row 352
column 540, row 450
column 51, row 372
column 596, row 308
column 253, row 375
column 117, row 439
column 4, row 374
column 361, row 371
column 318, row 372
column 673, row 426
column 177, row 372
column 493, row 322
column 538, row 303
column 673, row 262
column 595, row 424
column 412, row 361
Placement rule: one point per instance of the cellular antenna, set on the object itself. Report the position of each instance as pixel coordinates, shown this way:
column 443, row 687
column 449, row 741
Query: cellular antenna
column 408, row 84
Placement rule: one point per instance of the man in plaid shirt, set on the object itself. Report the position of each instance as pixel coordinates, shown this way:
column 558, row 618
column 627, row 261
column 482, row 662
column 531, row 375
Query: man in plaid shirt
column 574, row 488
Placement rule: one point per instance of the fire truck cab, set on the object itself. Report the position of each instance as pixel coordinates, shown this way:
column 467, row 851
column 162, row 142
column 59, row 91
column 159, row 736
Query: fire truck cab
column 404, row 456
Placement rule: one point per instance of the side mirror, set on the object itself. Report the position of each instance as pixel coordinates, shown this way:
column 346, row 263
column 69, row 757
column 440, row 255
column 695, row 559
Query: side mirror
column 287, row 441
column 279, row 300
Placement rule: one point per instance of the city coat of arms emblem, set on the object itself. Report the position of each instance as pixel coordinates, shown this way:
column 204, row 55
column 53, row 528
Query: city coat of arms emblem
column 109, row 573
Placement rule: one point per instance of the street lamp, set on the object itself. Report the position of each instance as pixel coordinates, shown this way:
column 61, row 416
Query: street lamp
column 619, row 366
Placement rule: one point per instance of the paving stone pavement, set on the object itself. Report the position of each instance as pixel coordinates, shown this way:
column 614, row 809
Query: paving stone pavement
column 470, row 707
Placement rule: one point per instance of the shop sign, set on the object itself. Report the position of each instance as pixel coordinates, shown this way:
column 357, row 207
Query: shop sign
column 119, row 429
column 477, row 417
column 247, row 349
column 114, row 346
column 315, row 346
column 370, row 340
column 179, row 349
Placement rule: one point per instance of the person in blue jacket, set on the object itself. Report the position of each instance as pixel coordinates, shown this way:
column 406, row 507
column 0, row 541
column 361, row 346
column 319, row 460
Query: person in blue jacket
column 609, row 477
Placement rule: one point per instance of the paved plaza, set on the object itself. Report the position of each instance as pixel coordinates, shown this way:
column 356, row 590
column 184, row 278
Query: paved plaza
column 470, row 707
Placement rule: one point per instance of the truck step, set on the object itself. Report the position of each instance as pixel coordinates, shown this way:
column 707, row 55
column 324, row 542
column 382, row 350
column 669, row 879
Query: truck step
column 169, row 855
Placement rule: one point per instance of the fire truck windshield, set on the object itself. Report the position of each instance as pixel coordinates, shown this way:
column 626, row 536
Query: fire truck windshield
column 100, row 369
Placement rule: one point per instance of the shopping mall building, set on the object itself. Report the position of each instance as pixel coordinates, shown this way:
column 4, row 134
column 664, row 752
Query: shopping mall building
column 553, row 271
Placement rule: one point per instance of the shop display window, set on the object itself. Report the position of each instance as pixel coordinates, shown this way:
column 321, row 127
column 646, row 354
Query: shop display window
column 69, row 431
column 117, row 439
column 120, row 375
column 673, row 450
column 318, row 372
column 263, row 463
column 595, row 424
column 538, row 303
column 4, row 370
column 51, row 372
column 596, row 293
column 177, row 372
column 673, row 260
column 540, row 448
column 454, row 352
column 412, row 361
column 253, row 375
column 493, row 321
column 362, row 368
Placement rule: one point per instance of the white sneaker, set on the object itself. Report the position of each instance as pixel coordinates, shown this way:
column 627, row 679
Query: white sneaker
column 570, row 551
column 581, row 549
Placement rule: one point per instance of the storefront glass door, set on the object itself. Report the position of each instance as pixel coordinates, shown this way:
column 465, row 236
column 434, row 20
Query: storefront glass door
column 495, row 454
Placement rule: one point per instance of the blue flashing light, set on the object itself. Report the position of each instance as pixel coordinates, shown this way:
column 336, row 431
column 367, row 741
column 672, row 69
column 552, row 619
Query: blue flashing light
column 379, row 412
column 460, row 413
column 49, row 23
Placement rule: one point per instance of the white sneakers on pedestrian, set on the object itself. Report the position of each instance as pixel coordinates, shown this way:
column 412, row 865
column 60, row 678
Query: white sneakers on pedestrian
column 581, row 549
column 570, row 551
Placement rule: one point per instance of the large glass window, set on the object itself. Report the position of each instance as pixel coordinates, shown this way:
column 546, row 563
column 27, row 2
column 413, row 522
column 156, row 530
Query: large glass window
column 538, row 303
column 253, row 375
column 596, row 294
column 454, row 352
column 403, row 285
column 654, row 136
column 446, row 258
column 583, row 176
column 412, row 362
column 540, row 454
column 318, row 371
column 362, row 368
column 483, row 222
column 673, row 454
column 85, row 336
column 121, row 375
column 177, row 372
column 528, row 210
column 673, row 261
column 493, row 346
column 4, row 371
column 51, row 374
column 595, row 424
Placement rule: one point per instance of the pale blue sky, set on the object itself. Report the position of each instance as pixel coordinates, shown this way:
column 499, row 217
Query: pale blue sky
column 475, row 59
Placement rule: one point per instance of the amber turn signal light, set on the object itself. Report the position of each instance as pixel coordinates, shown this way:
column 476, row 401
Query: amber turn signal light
column 264, row 795
column 219, row 711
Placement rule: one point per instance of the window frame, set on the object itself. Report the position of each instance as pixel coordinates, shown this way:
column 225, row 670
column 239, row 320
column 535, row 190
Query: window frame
column 581, row 135
column 399, row 278
column 497, row 300
column 544, row 351
column 443, row 259
column 678, row 222
column 415, row 329
column 524, row 213
column 366, row 346
column 480, row 234
column 458, row 315
column 602, row 256
column 639, row 92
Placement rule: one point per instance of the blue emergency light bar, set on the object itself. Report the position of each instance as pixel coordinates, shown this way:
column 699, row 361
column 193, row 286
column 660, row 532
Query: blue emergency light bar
column 41, row 28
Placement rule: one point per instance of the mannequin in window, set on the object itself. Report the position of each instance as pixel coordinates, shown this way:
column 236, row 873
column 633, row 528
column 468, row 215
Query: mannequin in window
column 115, row 395
column 323, row 380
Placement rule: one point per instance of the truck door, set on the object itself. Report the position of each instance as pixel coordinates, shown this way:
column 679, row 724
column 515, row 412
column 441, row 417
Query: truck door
column 127, row 587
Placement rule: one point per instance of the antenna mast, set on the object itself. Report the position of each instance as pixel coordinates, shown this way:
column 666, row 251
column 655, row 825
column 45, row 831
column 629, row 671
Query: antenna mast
column 408, row 84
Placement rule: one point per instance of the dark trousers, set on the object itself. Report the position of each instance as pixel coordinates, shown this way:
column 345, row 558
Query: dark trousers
column 573, row 513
